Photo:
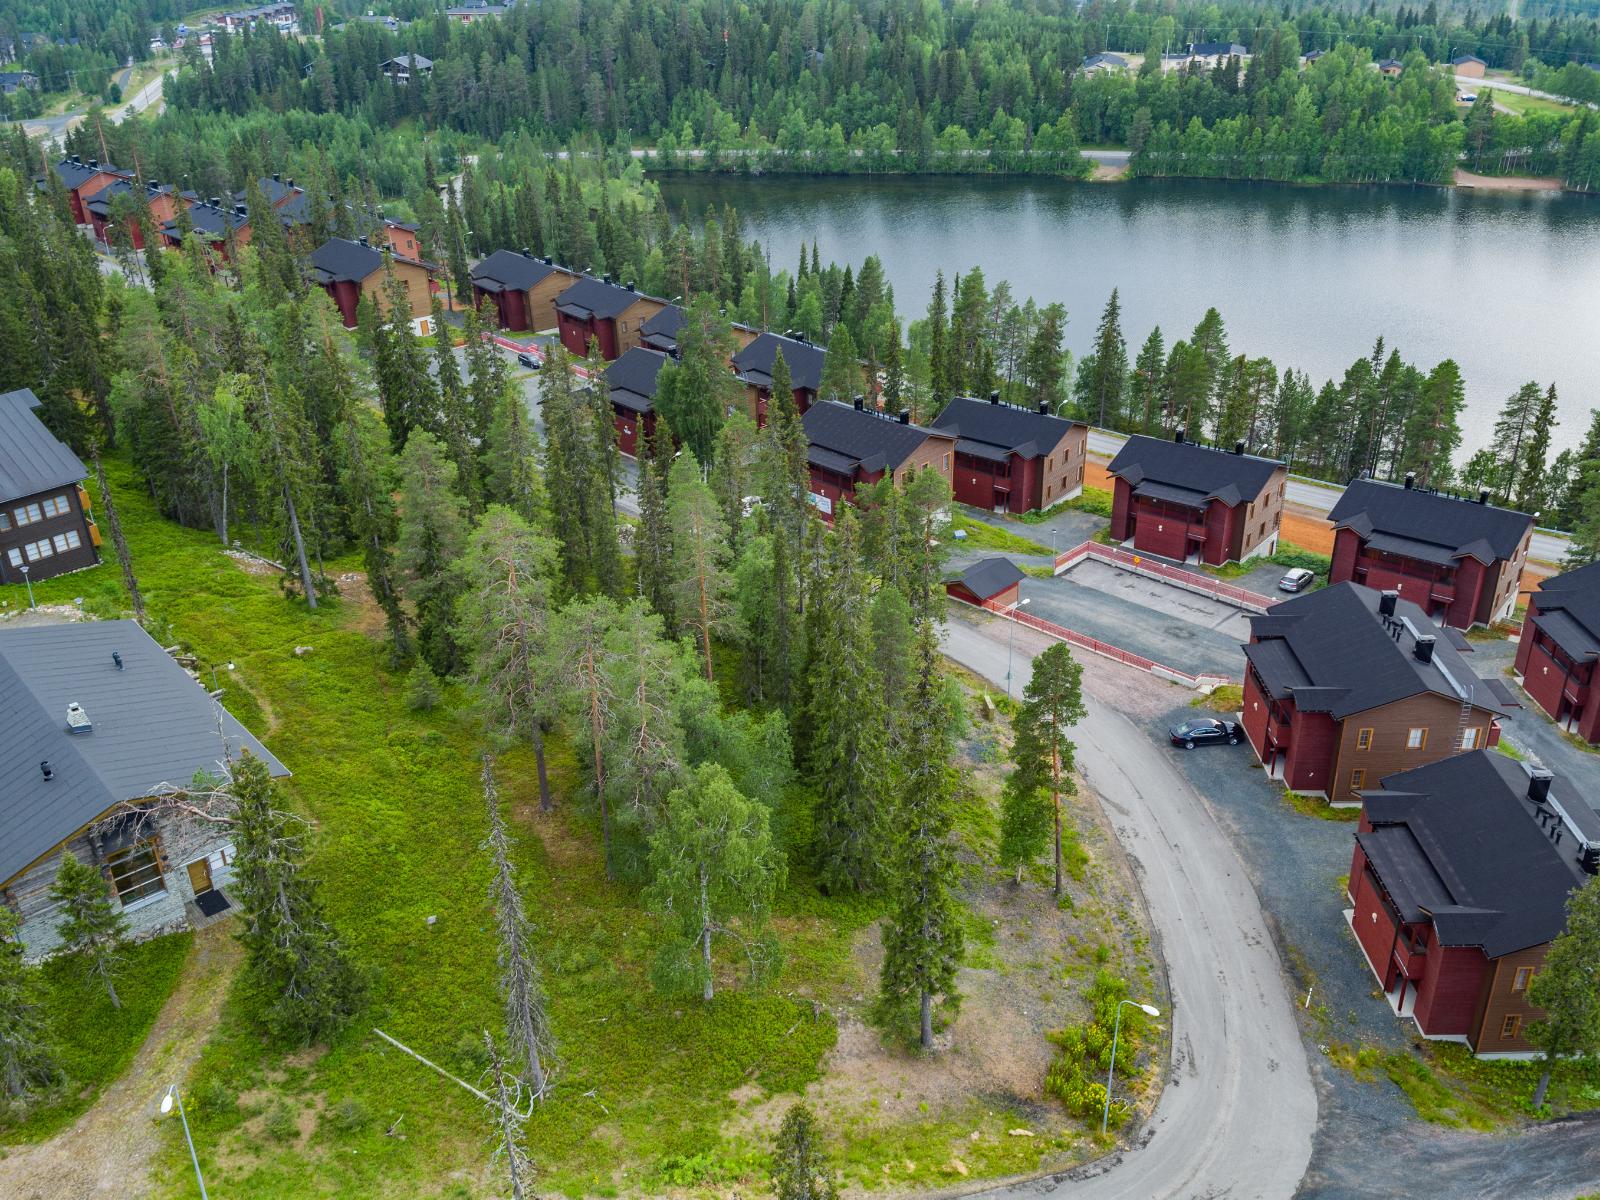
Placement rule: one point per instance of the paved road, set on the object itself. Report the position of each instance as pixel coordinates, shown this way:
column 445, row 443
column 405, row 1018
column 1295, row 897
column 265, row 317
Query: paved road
column 148, row 98
column 1238, row 1113
column 1468, row 84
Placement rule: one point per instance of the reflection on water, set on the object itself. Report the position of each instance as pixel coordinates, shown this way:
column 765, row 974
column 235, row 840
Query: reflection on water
column 1507, row 284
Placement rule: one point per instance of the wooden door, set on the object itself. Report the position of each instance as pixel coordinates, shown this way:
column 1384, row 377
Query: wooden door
column 200, row 875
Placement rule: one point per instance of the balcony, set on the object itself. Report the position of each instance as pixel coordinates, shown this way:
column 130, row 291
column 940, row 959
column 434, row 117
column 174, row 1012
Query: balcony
column 1442, row 591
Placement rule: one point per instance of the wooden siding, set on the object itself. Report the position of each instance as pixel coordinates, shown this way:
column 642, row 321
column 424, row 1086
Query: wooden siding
column 1499, row 999
column 1390, row 727
column 60, row 562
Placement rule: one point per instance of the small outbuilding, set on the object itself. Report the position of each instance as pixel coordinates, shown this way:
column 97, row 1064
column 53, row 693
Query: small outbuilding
column 989, row 582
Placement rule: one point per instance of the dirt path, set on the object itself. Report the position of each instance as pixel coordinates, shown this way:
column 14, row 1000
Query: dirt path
column 107, row 1151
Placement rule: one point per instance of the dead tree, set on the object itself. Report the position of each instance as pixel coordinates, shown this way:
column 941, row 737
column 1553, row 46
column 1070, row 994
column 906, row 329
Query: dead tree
column 117, row 540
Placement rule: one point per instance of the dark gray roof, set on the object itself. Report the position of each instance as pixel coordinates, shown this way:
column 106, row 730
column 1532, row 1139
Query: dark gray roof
column 1210, row 49
column 1460, row 527
column 32, row 460
column 1466, row 58
column 509, row 269
column 100, row 202
column 1461, row 842
column 591, row 297
column 1105, row 60
column 1020, row 431
column 215, row 220
column 753, row 364
column 1336, row 655
column 152, row 724
column 661, row 330
column 1230, row 478
column 990, row 576
column 866, row 441
column 76, row 174
column 341, row 260
column 1155, row 490
column 411, row 62
column 1567, row 608
column 632, row 378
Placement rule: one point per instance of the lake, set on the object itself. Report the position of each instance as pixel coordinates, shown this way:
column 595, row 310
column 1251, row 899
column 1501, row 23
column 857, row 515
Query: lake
column 1506, row 283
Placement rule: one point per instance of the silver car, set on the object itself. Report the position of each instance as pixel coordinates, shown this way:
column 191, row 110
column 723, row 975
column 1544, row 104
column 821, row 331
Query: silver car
column 1296, row 579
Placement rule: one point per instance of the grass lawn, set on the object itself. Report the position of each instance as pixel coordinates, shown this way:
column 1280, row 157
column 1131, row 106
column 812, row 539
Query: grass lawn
column 95, row 1042
column 983, row 536
column 1287, row 555
column 1521, row 104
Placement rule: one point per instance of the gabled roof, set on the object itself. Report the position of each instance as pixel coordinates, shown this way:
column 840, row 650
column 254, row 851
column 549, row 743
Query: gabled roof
column 1105, row 60
column 1567, row 608
column 632, row 378
column 32, row 460
column 409, row 62
column 75, row 174
column 208, row 218
column 339, row 260
column 591, row 297
column 152, row 724
column 1210, row 473
column 1212, row 49
column 1331, row 651
column 990, row 576
column 753, row 364
column 661, row 330
column 1389, row 62
column 1461, row 59
column 1456, row 528
column 1461, row 842
column 100, row 202
column 1001, row 427
column 277, row 192
column 848, row 439
column 507, row 269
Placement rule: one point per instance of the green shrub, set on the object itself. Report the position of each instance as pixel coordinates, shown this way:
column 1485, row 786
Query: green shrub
column 1077, row 1076
column 1294, row 556
column 280, row 1124
column 349, row 1116
column 422, row 688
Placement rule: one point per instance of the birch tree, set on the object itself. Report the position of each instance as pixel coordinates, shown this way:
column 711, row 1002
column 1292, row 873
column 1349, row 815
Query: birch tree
column 90, row 925
column 1567, row 987
column 715, row 871
column 228, row 443
column 1042, row 760
column 703, row 594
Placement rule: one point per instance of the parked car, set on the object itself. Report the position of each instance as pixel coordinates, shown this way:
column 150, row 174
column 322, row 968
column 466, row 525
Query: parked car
column 527, row 360
column 1296, row 579
column 1205, row 731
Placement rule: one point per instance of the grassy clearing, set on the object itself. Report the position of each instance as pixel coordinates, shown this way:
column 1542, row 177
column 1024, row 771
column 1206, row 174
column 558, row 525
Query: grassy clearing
column 1226, row 698
column 1521, row 104
column 94, row 1041
column 1315, row 806
column 1288, row 555
column 1090, row 500
column 980, row 535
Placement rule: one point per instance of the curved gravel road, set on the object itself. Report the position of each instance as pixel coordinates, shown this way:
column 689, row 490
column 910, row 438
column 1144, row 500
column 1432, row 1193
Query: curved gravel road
column 1238, row 1113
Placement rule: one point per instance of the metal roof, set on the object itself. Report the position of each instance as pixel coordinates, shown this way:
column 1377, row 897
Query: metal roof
column 513, row 270
column 591, row 297
column 32, row 460
column 804, row 360
column 1230, row 478
column 869, row 440
column 152, row 724
column 632, row 378
column 1025, row 432
column 1567, row 607
column 990, row 576
column 1463, row 527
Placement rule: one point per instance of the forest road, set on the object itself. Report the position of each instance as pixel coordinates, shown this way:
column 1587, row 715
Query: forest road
column 1238, row 1111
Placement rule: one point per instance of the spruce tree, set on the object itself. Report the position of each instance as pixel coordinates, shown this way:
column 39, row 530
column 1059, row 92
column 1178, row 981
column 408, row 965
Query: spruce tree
column 1042, row 760
column 583, row 650
column 695, row 392
column 1044, row 365
column 90, row 926
column 1145, row 386
column 27, row 1064
column 799, row 1167
column 922, row 940
column 841, row 367
column 433, row 533
column 653, row 539
column 367, row 480
column 1531, row 478
column 702, row 584
column 511, row 461
column 1514, row 431
column 1111, row 367
column 939, row 366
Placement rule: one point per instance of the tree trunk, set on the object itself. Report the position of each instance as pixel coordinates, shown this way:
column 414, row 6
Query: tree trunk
column 546, row 804
column 1544, row 1085
column 705, row 624
column 599, row 769
column 705, row 935
column 299, row 549
column 116, row 1000
column 927, row 1020
column 118, row 542
column 1055, row 795
column 222, row 513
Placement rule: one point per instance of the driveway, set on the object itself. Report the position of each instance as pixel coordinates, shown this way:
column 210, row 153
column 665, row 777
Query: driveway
column 1528, row 728
column 1237, row 1115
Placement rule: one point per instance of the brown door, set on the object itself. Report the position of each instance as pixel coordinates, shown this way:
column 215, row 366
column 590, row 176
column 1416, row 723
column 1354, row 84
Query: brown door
column 200, row 875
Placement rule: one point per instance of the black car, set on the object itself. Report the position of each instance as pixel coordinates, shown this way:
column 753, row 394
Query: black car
column 1205, row 731
column 527, row 360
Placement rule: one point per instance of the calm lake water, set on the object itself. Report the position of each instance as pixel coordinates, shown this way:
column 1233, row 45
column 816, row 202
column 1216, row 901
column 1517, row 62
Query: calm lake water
column 1507, row 284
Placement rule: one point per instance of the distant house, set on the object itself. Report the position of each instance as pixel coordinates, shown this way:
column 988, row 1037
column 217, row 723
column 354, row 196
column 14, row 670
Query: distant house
column 161, row 200
column 522, row 288
column 45, row 524
column 1459, row 883
column 12, row 82
column 1195, row 503
column 851, row 447
column 1390, row 67
column 475, row 10
column 1096, row 63
column 282, row 16
column 1460, row 561
column 95, row 716
column 349, row 270
column 607, row 313
column 1468, row 65
column 1594, row 66
column 753, row 365
column 994, row 581
column 1312, row 56
column 660, row 332
column 1346, row 685
column 214, row 221
column 1206, row 54
column 632, row 380
column 1012, row 459
column 84, row 178
column 403, row 67
column 1559, row 647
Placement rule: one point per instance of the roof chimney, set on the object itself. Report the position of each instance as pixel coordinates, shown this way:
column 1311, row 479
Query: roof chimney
column 363, row 240
column 1238, row 447
column 216, row 202
column 1044, row 408
column 1177, row 434
column 95, row 163
column 1423, row 650
column 607, row 279
column 76, row 161
column 47, row 770
column 1539, row 785
column 629, row 285
column 1411, row 480
column 994, row 397
column 1386, row 603
column 241, row 209
column 1483, row 495
column 78, row 720
column 116, row 657
column 276, row 177
column 527, row 253
column 905, row 416
column 548, row 261
column 861, row 404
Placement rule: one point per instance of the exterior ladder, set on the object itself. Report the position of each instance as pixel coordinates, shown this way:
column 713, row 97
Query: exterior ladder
column 1463, row 723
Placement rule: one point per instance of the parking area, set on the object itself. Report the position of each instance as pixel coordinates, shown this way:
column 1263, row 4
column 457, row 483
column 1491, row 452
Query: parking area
column 1178, row 628
column 1529, row 729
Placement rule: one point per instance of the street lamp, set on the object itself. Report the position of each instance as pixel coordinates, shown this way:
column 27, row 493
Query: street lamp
column 1011, row 639
column 29, row 584
column 1149, row 1010
column 166, row 1107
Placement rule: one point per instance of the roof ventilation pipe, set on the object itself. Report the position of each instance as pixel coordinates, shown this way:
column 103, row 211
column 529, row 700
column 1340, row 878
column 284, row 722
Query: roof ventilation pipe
column 1386, row 603
column 1177, row 434
column 1423, row 650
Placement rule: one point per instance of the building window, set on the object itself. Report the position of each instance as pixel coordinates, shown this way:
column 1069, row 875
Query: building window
column 1469, row 737
column 5, row 522
column 39, row 549
column 1519, row 982
column 136, row 873
column 66, row 541
column 947, row 462
column 1364, row 740
column 1358, row 779
column 16, row 556
column 55, row 506
column 1417, row 739
column 1510, row 1027
column 27, row 514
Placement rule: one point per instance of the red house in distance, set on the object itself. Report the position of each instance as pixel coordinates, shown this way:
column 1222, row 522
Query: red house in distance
column 607, row 313
column 753, row 365
column 632, row 380
column 161, row 199
column 1012, row 459
column 1459, row 561
column 522, row 288
column 1559, row 647
column 851, row 447
column 1194, row 503
column 82, row 179
column 989, row 580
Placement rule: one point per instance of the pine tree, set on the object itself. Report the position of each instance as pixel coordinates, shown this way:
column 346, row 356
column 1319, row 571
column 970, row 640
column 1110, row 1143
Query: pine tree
column 1042, row 759
column 1567, row 987
column 366, row 472
column 578, row 479
column 939, row 367
column 702, row 585
column 1513, row 432
column 89, row 925
column 714, row 872
column 433, row 533
column 841, row 368
column 1535, row 452
column 27, row 1063
column 1145, row 385
column 294, row 961
column 799, row 1167
column 922, row 940
column 521, row 991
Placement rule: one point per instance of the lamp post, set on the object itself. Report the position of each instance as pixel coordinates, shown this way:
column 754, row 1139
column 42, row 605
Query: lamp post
column 166, row 1107
column 29, row 583
column 1011, row 640
column 1149, row 1010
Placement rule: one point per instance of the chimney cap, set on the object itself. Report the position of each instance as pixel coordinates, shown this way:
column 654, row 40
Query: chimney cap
column 1177, row 434
column 1483, row 495
column 1539, row 781
column 860, row 404
column 116, row 658
column 1411, row 480
column 1238, row 446
column 78, row 720
column 46, row 769
column 994, row 396
column 1423, row 650
column 905, row 416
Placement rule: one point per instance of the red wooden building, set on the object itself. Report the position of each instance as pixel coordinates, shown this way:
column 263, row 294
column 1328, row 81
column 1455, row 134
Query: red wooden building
column 1458, row 884
column 83, row 178
column 1012, row 459
column 522, row 288
column 609, row 314
column 851, row 447
column 1559, row 647
column 1346, row 685
column 161, row 201
column 348, row 270
column 215, row 222
column 632, row 380
column 1194, row 503
column 1460, row 561
column 996, row 580
column 753, row 365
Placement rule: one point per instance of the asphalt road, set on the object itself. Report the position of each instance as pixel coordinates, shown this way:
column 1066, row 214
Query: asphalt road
column 1468, row 84
column 1237, row 1115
